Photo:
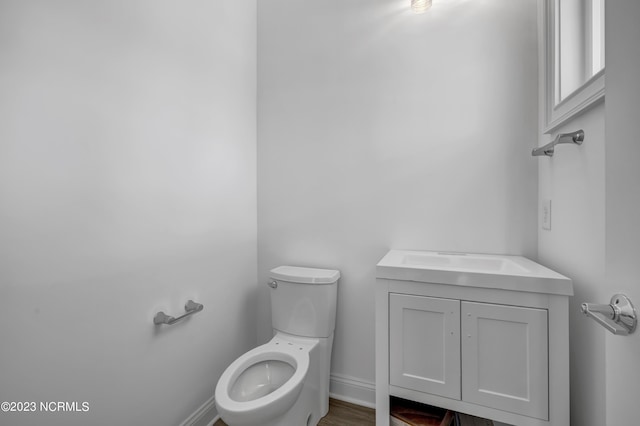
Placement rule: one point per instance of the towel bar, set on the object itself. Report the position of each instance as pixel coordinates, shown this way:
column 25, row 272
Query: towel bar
column 573, row 137
column 191, row 307
column 619, row 317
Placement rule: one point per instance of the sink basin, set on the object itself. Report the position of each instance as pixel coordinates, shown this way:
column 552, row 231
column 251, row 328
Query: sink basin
column 462, row 261
column 473, row 270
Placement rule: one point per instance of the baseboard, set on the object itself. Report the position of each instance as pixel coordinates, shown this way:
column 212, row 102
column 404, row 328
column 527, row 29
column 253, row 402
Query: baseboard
column 205, row 415
column 353, row 390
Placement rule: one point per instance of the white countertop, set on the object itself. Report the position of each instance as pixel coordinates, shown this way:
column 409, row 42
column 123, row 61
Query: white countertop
column 504, row 272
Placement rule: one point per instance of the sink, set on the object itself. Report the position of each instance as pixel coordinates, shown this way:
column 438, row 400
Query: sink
column 474, row 270
column 462, row 261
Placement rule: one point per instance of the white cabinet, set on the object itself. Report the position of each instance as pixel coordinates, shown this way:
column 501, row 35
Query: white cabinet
column 424, row 352
column 505, row 358
column 487, row 354
column 491, row 341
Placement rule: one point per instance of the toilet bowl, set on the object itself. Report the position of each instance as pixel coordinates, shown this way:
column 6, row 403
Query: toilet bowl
column 285, row 382
column 262, row 385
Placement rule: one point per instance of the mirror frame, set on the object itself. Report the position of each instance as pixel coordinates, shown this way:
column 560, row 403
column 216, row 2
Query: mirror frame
column 589, row 93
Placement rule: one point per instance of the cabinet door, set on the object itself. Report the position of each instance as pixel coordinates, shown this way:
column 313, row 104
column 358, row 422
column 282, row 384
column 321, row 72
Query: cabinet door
column 505, row 358
column 424, row 344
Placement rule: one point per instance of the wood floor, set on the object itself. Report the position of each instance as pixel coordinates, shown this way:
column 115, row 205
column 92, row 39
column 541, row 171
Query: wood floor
column 342, row 414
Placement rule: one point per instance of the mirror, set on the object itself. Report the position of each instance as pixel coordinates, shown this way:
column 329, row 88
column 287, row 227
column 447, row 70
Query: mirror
column 573, row 37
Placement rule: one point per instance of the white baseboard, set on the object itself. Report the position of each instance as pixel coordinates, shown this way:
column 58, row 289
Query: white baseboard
column 205, row 415
column 353, row 390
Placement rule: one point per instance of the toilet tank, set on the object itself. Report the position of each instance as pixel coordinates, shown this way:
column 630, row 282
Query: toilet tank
column 303, row 300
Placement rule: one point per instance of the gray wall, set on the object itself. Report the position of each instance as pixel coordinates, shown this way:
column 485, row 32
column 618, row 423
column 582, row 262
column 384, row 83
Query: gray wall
column 127, row 186
column 380, row 129
column 574, row 181
column 595, row 232
column 623, row 202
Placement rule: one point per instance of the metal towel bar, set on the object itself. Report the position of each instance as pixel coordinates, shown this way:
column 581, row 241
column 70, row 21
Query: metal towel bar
column 619, row 317
column 576, row 137
column 191, row 307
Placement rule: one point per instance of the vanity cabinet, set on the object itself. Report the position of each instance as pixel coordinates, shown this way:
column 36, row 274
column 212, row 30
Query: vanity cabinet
column 424, row 344
column 487, row 354
column 505, row 358
column 491, row 345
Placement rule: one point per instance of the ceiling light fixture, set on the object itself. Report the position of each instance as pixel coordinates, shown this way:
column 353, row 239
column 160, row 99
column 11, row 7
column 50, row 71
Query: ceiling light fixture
column 420, row 6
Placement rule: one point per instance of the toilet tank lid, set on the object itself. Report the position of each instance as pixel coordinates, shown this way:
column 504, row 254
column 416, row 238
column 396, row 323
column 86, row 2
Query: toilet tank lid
column 301, row 275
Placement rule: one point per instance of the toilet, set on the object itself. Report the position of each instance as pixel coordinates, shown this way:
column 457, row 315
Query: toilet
column 285, row 382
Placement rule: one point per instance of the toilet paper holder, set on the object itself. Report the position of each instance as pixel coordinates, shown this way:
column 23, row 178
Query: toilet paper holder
column 190, row 307
column 619, row 316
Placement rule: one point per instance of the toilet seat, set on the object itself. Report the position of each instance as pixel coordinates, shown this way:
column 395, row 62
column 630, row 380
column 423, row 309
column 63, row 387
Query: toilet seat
column 274, row 403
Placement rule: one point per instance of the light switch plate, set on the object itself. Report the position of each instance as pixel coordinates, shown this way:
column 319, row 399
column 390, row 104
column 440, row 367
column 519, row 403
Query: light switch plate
column 546, row 214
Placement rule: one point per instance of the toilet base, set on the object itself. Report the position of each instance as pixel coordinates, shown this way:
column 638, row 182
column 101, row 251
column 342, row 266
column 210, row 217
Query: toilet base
column 313, row 402
column 305, row 412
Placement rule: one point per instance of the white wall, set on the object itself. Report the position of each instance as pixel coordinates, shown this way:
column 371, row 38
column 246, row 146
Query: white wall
column 380, row 129
column 574, row 180
column 623, row 202
column 127, row 186
column 595, row 232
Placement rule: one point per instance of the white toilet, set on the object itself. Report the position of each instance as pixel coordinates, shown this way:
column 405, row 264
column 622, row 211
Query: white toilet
column 285, row 382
